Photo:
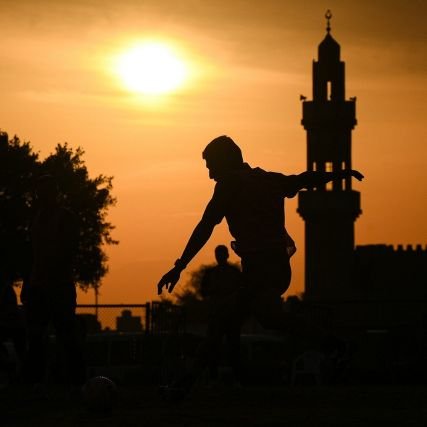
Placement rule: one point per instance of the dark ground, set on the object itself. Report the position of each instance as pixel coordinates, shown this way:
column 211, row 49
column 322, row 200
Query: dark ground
column 349, row 406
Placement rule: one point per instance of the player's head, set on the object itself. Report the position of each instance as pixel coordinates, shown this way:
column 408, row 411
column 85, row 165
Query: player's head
column 222, row 155
column 46, row 189
column 221, row 254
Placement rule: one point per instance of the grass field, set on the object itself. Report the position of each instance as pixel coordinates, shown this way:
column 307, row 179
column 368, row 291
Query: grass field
column 270, row 407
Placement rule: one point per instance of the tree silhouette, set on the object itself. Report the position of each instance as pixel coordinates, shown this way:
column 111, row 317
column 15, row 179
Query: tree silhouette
column 89, row 198
column 190, row 298
column 191, row 291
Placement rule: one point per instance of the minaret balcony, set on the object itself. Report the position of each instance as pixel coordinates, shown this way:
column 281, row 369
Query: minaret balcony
column 315, row 204
column 324, row 114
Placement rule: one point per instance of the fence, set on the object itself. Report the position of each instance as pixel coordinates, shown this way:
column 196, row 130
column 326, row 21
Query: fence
column 159, row 317
column 129, row 341
column 149, row 318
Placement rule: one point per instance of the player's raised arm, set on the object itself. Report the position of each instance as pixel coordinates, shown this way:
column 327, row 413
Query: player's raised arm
column 313, row 179
column 291, row 184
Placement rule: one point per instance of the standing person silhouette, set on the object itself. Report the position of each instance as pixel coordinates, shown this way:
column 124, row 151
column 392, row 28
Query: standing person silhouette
column 49, row 295
column 219, row 287
column 252, row 201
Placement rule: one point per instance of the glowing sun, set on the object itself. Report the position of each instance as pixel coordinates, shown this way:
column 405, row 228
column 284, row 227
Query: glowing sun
column 151, row 68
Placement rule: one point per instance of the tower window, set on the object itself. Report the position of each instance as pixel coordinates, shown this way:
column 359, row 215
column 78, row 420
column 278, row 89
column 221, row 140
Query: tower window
column 329, row 168
column 328, row 90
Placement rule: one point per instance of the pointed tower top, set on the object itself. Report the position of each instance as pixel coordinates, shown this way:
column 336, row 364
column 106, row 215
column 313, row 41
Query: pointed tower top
column 328, row 16
column 329, row 49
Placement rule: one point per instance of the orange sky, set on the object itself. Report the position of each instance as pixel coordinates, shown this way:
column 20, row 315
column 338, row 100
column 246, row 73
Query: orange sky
column 250, row 61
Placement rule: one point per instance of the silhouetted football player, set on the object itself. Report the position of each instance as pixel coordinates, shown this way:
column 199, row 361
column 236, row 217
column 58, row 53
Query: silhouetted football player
column 252, row 202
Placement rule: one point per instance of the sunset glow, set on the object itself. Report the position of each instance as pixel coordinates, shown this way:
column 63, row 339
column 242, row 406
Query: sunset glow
column 151, row 68
column 143, row 86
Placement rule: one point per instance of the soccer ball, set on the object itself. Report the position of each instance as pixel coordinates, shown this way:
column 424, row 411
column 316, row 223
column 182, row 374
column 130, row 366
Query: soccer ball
column 99, row 394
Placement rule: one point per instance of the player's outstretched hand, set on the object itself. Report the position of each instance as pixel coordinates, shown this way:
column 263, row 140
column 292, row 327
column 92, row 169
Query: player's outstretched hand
column 357, row 175
column 169, row 280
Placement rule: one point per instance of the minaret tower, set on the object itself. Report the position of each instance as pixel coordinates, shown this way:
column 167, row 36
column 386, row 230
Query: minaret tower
column 329, row 212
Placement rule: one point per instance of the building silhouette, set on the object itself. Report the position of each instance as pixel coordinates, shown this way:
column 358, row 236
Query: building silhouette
column 329, row 212
column 368, row 286
column 384, row 272
column 128, row 323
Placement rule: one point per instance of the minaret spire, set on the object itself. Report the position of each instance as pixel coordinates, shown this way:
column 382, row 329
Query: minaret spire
column 328, row 16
